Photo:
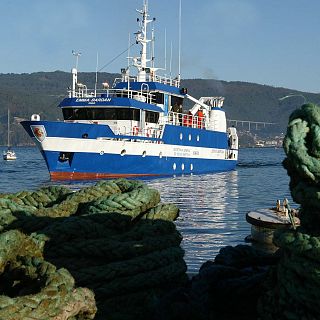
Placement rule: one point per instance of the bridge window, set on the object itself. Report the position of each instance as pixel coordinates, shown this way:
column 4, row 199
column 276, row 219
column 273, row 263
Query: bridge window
column 159, row 97
column 176, row 102
column 101, row 114
column 152, row 117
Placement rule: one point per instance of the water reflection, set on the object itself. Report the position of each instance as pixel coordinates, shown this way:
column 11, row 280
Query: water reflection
column 209, row 216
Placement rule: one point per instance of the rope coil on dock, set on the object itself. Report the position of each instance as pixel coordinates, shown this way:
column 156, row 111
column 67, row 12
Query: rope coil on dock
column 33, row 288
column 293, row 289
column 115, row 238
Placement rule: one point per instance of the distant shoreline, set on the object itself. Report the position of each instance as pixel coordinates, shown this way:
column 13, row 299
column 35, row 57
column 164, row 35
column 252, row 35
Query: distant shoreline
column 20, row 145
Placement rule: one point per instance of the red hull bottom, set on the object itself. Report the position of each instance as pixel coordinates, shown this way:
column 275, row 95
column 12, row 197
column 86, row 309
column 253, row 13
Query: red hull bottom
column 90, row 175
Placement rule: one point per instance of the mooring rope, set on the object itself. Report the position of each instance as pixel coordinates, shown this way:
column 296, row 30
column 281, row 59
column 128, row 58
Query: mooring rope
column 294, row 287
column 32, row 288
column 114, row 238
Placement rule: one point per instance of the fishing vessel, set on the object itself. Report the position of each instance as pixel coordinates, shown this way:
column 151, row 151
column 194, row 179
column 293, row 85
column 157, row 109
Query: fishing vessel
column 136, row 127
column 9, row 154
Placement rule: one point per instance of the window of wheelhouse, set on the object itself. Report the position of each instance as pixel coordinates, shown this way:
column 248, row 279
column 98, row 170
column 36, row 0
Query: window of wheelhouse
column 152, row 117
column 159, row 98
column 176, row 101
column 101, row 114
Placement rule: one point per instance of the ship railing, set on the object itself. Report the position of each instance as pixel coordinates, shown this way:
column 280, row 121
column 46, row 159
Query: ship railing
column 150, row 132
column 152, row 78
column 185, row 120
column 143, row 96
column 136, row 131
column 165, row 80
column 124, row 79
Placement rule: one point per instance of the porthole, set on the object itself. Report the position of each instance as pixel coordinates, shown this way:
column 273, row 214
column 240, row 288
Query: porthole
column 182, row 167
column 174, row 166
column 181, row 136
column 101, row 153
column 189, row 137
column 144, row 153
column 191, row 166
column 123, row 152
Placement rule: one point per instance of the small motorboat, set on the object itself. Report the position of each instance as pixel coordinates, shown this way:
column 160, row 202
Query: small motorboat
column 266, row 220
column 9, row 155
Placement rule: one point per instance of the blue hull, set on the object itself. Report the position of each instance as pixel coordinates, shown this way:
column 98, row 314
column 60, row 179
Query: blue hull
column 88, row 165
column 82, row 164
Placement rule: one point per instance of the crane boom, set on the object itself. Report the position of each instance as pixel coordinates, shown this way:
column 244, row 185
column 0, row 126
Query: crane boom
column 197, row 105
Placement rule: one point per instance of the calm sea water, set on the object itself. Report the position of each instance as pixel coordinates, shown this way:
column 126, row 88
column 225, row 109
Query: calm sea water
column 212, row 206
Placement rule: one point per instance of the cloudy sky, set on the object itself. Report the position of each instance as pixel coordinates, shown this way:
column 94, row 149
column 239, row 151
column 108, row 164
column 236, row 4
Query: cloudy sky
column 274, row 42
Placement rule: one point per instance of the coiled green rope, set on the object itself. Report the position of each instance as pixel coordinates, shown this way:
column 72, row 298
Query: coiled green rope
column 114, row 238
column 294, row 288
column 32, row 288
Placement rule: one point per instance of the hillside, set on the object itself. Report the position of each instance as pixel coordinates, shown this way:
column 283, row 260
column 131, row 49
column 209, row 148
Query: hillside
column 41, row 92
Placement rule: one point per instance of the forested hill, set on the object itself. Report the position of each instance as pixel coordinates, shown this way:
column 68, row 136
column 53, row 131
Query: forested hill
column 25, row 94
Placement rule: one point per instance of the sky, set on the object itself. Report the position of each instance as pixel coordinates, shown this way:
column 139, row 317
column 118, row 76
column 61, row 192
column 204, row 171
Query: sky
column 270, row 42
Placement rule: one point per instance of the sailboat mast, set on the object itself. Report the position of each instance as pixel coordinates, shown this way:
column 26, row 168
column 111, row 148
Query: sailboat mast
column 9, row 154
column 8, row 128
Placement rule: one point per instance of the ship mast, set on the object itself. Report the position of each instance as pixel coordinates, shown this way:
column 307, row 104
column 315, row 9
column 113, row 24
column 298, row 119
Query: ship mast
column 74, row 72
column 141, row 37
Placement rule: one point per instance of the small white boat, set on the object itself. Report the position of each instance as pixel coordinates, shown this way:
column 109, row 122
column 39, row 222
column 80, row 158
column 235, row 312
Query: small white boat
column 9, row 154
column 266, row 220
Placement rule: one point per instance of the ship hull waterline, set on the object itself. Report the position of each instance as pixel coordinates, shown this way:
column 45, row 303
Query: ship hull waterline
column 96, row 166
column 75, row 158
